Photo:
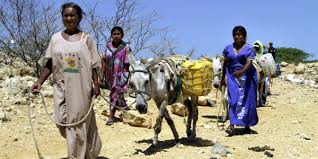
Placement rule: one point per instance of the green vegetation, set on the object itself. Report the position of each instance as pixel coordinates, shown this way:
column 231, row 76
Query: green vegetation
column 291, row 55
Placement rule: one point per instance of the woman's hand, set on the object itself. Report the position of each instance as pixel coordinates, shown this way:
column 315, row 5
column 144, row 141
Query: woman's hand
column 96, row 90
column 36, row 87
column 222, row 82
column 239, row 73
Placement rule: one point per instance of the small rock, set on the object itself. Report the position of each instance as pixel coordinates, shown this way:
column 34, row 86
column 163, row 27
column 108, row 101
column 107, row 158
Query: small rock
column 304, row 136
column 32, row 105
column 206, row 101
column 311, row 65
column 297, row 81
column 220, row 149
column 33, row 116
column 28, row 131
column 15, row 139
column 48, row 93
column 133, row 118
column 284, row 64
column 229, row 155
column 290, row 77
column 201, row 151
column 268, row 154
column 261, row 149
column 3, row 116
column 8, row 109
column 179, row 109
column 296, row 121
column 207, row 126
column 300, row 69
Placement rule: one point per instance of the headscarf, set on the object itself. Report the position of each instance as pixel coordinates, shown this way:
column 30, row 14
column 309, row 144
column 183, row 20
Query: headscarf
column 260, row 52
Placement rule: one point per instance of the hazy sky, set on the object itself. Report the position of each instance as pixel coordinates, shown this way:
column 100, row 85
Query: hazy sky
column 206, row 25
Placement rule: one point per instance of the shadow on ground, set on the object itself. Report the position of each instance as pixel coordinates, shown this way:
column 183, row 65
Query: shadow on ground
column 100, row 157
column 211, row 116
column 162, row 146
column 242, row 131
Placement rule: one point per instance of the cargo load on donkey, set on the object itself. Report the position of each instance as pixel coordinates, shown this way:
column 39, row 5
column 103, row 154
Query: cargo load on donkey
column 197, row 77
column 268, row 65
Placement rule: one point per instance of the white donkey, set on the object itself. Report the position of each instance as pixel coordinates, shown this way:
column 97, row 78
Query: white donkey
column 148, row 81
column 217, row 70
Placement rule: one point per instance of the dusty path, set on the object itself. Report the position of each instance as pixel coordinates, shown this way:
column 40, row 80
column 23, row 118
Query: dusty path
column 290, row 117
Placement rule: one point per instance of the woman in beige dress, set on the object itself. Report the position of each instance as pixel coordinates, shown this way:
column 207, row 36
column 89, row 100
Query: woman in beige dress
column 73, row 59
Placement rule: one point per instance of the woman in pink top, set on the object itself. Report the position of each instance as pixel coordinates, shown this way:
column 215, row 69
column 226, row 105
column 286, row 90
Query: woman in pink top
column 115, row 67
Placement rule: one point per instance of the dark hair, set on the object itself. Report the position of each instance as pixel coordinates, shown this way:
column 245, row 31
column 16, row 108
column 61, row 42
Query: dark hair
column 79, row 10
column 240, row 29
column 120, row 29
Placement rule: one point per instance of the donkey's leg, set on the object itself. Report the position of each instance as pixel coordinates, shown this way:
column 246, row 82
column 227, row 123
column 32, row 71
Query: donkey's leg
column 194, row 100
column 225, row 106
column 157, row 127
column 172, row 126
column 188, row 104
column 260, row 88
column 260, row 93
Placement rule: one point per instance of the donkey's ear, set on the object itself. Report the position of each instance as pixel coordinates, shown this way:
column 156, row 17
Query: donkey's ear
column 143, row 60
column 131, row 68
column 206, row 58
column 222, row 58
column 154, row 61
column 131, row 59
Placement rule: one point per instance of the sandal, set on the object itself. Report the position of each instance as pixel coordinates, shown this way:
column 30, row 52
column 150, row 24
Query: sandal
column 230, row 130
column 110, row 121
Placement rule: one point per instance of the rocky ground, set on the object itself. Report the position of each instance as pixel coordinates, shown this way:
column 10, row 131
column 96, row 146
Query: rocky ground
column 287, row 126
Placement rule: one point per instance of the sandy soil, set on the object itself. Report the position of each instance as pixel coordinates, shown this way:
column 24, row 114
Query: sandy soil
column 290, row 116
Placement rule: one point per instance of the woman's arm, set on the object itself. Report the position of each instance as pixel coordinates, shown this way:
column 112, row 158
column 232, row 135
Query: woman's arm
column 96, row 61
column 247, row 65
column 95, row 76
column 239, row 73
column 96, row 82
column 102, row 70
column 46, row 72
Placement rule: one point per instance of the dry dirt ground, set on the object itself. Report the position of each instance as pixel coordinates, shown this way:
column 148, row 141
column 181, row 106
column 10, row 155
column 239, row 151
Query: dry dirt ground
column 288, row 124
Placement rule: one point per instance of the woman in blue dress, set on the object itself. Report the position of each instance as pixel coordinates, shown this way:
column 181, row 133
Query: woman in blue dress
column 241, row 80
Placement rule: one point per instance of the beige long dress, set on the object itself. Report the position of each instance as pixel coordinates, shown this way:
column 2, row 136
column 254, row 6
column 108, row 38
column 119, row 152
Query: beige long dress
column 73, row 63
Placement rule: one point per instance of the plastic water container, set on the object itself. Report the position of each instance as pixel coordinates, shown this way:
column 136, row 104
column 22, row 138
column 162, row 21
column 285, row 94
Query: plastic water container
column 268, row 64
column 197, row 77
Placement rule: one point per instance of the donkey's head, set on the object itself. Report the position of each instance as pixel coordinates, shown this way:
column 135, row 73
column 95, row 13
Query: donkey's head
column 140, row 82
column 217, row 71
